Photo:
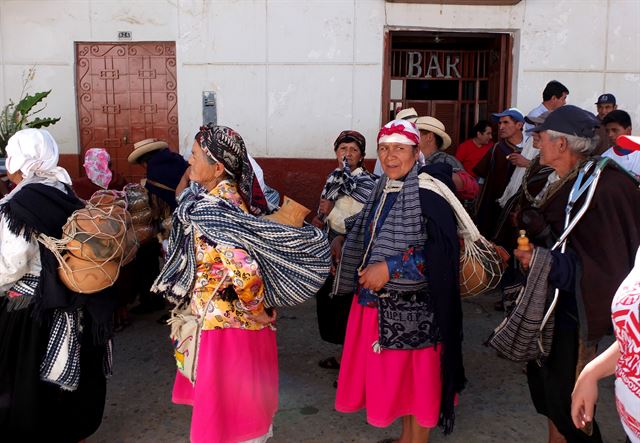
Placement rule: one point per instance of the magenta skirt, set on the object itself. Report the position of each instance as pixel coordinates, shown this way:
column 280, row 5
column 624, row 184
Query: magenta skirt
column 390, row 384
column 236, row 392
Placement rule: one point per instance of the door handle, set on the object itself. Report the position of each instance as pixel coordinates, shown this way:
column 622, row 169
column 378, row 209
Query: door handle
column 125, row 139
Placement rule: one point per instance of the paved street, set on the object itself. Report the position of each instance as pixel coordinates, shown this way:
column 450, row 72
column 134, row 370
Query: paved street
column 495, row 407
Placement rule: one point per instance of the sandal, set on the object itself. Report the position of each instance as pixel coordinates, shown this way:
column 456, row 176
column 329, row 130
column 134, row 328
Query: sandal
column 329, row 363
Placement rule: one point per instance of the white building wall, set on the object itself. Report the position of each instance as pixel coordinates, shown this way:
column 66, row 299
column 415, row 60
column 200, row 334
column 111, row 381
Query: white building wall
column 290, row 74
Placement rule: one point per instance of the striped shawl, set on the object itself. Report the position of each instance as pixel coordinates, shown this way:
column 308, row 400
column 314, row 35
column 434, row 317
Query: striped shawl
column 293, row 262
column 403, row 228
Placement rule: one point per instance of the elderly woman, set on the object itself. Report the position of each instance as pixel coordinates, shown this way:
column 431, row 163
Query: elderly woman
column 400, row 259
column 54, row 343
column 344, row 194
column 600, row 253
column 235, row 394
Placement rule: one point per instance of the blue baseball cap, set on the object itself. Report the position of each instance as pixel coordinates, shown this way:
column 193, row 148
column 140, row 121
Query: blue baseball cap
column 572, row 120
column 514, row 113
column 606, row 99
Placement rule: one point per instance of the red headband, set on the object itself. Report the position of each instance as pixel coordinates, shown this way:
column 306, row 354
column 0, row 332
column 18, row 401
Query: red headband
column 400, row 129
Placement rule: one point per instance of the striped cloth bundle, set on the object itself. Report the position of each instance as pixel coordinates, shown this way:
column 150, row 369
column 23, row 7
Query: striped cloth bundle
column 520, row 336
column 294, row 262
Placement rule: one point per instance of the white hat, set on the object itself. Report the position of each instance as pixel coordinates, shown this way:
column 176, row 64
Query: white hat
column 144, row 146
column 406, row 114
column 434, row 125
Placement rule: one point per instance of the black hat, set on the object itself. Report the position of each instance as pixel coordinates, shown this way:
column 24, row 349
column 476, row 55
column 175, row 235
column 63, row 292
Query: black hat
column 606, row 99
column 570, row 120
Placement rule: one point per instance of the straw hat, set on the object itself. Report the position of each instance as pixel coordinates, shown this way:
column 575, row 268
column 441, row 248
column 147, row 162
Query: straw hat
column 434, row 125
column 144, row 146
column 407, row 114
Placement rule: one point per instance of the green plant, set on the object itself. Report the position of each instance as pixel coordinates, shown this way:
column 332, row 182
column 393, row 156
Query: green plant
column 16, row 116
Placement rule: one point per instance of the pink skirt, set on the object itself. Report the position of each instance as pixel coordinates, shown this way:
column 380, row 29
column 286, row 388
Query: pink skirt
column 390, row 384
column 236, row 392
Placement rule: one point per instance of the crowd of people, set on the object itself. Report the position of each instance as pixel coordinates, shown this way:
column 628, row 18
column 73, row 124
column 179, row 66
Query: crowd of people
column 381, row 254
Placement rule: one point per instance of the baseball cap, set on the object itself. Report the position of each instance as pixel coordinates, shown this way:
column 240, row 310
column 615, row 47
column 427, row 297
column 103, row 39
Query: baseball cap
column 606, row 98
column 514, row 113
column 570, row 119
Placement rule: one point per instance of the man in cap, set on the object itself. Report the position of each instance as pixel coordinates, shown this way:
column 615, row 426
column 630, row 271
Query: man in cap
column 605, row 104
column 617, row 123
column 497, row 166
column 600, row 252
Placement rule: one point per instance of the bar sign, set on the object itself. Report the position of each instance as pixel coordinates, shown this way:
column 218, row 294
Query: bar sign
column 124, row 35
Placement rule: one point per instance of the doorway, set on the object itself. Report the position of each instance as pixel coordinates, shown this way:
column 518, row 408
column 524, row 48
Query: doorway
column 126, row 92
column 458, row 78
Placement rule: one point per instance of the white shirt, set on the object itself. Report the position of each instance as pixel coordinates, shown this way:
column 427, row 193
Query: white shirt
column 630, row 162
column 535, row 112
column 626, row 325
column 18, row 257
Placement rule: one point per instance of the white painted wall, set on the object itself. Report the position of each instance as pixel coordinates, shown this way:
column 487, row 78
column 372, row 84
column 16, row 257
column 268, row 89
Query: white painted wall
column 290, row 74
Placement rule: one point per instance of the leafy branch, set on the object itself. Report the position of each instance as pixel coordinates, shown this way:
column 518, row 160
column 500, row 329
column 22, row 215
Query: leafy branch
column 16, row 116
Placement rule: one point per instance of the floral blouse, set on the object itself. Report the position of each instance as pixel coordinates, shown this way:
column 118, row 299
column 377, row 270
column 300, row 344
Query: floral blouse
column 236, row 268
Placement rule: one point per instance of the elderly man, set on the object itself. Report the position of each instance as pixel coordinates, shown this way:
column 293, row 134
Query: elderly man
column 497, row 166
column 600, row 253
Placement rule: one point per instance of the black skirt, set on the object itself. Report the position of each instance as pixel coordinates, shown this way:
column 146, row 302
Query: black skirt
column 333, row 313
column 33, row 410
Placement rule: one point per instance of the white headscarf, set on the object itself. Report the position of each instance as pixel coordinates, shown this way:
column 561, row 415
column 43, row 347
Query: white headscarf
column 34, row 153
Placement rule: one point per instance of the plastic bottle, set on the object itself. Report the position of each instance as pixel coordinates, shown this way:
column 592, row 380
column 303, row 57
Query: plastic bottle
column 523, row 241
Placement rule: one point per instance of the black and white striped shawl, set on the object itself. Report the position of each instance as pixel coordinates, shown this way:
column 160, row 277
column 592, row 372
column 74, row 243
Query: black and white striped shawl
column 358, row 184
column 293, row 262
column 404, row 227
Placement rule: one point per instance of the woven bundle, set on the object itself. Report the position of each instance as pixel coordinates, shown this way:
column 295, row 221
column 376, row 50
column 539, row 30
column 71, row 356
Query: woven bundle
column 481, row 266
column 117, row 200
column 140, row 209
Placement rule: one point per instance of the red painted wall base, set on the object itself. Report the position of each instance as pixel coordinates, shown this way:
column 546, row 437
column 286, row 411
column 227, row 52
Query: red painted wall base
column 301, row 179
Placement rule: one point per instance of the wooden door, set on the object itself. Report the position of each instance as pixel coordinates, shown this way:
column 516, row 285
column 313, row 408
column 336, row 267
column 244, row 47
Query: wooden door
column 499, row 73
column 126, row 92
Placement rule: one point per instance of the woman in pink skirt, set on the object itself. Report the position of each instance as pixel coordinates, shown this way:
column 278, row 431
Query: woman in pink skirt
column 402, row 354
column 235, row 394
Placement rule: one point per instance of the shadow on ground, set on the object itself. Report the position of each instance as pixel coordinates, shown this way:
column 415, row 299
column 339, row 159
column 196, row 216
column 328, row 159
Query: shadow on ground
column 495, row 407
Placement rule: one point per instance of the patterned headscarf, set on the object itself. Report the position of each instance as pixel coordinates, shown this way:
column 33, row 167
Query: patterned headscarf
column 351, row 136
column 96, row 165
column 399, row 131
column 225, row 146
column 34, row 152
